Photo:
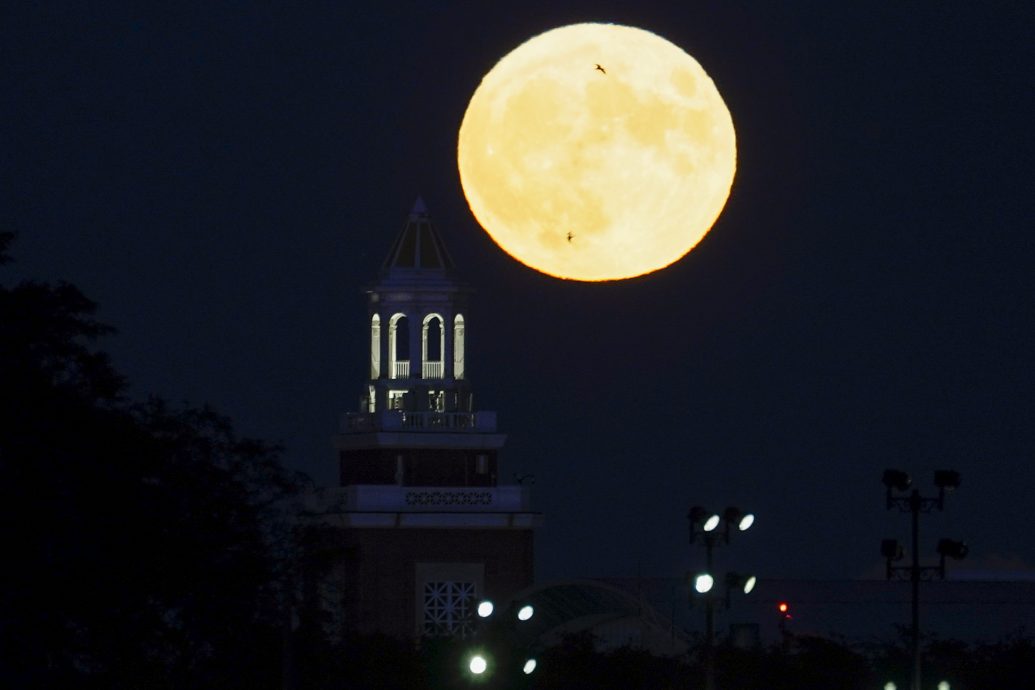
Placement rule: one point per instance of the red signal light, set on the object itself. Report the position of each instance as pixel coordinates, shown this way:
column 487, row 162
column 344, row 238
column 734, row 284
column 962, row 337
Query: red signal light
column 785, row 615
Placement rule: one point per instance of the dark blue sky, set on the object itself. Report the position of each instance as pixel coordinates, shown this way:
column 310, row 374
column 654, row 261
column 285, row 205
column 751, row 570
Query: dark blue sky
column 223, row 180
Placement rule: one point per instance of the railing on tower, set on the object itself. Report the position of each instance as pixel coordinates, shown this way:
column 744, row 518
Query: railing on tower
column 397, row 420
column 402, row 370
column 390, row 497
column 432, row 370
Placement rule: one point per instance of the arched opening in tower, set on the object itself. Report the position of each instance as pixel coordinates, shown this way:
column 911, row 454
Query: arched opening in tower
column 399, row 347
column 433, row 345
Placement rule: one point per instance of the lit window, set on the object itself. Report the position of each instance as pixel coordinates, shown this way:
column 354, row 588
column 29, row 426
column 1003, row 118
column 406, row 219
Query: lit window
column 396, row 399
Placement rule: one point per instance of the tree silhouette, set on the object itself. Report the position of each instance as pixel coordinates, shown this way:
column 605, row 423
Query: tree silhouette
column 146, row 547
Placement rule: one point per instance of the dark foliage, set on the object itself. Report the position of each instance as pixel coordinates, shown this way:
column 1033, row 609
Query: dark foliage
column 145, row 546
column 359, row 662
column 812, row 663
column 1008, row 662
column 574, row 665
column 801, row 663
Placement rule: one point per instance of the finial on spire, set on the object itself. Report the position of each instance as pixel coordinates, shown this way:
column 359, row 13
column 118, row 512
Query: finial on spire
column 419, row 208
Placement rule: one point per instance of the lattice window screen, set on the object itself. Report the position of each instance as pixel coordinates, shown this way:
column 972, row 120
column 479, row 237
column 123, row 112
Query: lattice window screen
column 447, row 608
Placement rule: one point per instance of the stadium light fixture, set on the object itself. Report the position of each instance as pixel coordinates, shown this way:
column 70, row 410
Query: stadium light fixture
column 478, row 664
column 897, row 480
column 736, row 517
column 703, row 583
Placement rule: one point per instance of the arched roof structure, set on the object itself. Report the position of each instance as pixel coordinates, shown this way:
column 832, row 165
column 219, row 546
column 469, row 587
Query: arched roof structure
column 613, row 616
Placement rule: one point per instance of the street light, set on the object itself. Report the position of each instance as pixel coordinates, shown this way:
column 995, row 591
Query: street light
column 735, row 516
column 745, row 583
column 497, row 641
column 703, row 526
column 956, row 550
column 477, row 664
column 913, row 503
column 896, row 479
column 703, row 583
column 948, row 480
column 702, row 520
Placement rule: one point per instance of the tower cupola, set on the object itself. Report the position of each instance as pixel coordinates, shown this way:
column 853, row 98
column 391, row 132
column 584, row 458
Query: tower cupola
column 417, row 312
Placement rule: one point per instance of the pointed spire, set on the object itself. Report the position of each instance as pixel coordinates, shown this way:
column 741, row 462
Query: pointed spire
column 418, row 246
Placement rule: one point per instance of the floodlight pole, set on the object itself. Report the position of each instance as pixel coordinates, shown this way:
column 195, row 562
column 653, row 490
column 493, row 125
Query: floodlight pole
column 916, row 504
column 711, row 538
column 709, row 619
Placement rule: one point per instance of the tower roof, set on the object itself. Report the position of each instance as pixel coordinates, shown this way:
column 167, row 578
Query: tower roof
column 418, row 247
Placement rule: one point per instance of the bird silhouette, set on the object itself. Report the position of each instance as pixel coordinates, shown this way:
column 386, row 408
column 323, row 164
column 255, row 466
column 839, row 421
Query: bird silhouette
column 570, row 235
column 602, row 70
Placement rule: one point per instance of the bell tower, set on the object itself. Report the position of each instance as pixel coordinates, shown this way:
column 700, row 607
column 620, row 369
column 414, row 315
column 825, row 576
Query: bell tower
column 425, row 525
column 416, row 313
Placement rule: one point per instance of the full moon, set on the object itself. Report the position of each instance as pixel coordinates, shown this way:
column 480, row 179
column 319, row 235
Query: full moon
column 597, row 152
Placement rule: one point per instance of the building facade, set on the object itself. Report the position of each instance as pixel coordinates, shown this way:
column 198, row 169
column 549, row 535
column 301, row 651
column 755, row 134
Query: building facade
column 420, row 527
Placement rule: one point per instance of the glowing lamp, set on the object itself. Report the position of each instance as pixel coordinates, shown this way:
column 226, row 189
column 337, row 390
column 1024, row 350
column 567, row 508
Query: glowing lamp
column 478, row 664
column 703, row 583
column 745, row 583
column 485, row 609
column 703, row 520
column 525, row 612
column 737, row 517
column 529, row 667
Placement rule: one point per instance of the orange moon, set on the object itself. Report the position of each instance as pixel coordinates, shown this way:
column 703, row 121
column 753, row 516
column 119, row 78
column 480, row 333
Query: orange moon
column 597, row 152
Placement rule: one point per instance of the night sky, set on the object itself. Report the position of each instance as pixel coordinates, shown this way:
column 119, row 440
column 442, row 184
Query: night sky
column 224, row 178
